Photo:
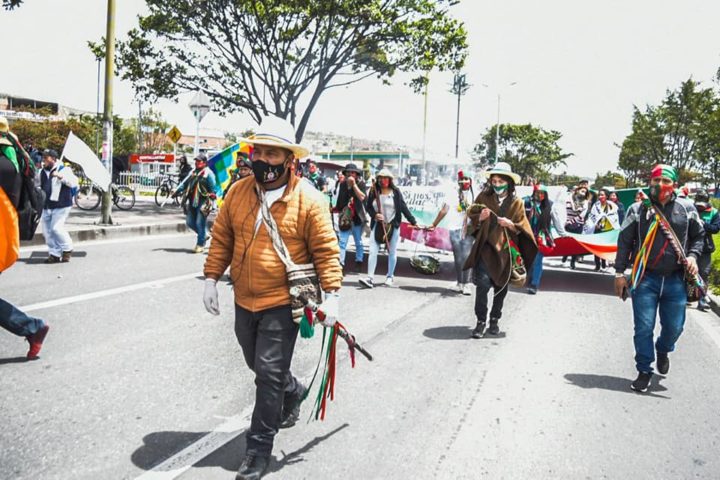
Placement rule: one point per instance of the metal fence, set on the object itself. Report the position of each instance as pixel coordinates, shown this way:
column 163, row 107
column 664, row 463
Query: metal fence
column 140, row 182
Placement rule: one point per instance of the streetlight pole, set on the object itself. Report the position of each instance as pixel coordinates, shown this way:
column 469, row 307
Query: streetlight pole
column 97, row 110
column 107, row 150
column 497, row 125
column 459, row 88
column 200, row 106
column 497, row 130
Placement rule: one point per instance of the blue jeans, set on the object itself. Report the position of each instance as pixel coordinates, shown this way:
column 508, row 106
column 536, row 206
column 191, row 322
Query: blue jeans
column 197, row 222
column 343, row 237
column 56, row 236
column 461, row 248
column 392, row 254
column 537, row 271
column 667, row 296
column 18, row 322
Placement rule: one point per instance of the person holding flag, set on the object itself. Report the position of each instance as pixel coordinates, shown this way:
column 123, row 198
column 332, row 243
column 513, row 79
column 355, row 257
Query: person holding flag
column 658, row 234
column 243, row 170
column 198, row 193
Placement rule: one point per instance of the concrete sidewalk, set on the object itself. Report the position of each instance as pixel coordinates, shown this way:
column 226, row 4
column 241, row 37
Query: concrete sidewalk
column 145, row 218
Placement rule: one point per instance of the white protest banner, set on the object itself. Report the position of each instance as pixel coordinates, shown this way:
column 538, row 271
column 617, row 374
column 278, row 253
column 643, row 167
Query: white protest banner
column 80, row 154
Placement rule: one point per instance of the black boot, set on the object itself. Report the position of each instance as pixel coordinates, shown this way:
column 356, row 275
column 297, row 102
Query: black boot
column 253, row 467
column 479, row 330
column 291, row 409
column 572, row 263
column 663, row 363
column 493, row 329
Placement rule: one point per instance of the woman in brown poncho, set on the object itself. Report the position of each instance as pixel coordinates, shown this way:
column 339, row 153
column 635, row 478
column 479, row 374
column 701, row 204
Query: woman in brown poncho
column 503, row 238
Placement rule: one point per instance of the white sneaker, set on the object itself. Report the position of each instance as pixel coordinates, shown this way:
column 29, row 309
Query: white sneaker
column 459, row 287
column 366, row 282
column 466, row 290
column 388, row 282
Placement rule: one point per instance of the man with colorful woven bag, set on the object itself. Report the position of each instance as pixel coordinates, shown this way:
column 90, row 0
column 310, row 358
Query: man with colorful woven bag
column 244, row 235
column 657, row 235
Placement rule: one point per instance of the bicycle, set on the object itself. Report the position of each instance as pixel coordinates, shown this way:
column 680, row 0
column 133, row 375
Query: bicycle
column 89, row 196
column 166, row 189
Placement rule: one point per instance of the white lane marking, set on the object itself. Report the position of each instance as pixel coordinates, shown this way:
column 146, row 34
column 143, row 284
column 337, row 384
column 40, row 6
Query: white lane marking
column 182, row 461
column 109, row 292
column 141, row 238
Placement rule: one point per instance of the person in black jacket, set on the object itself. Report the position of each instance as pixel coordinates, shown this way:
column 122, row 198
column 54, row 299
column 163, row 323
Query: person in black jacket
column 351, row 213
column 660, row 285
column 710, row 217
column 386, row 207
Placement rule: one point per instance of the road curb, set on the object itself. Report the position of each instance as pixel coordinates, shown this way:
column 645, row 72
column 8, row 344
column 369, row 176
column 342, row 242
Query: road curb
column 98, row 232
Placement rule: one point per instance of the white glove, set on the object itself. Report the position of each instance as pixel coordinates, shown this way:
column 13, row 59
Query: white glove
column 331, row 308
column 210, row 297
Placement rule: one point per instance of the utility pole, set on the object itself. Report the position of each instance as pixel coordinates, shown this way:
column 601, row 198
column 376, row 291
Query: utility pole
column 497, row 130
column 97, row 110
column 107, row 151
column 497, row 125
column 459, row 88
column 425, row 110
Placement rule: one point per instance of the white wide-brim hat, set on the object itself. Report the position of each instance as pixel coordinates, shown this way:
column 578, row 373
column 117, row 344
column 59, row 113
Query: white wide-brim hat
column 282, row 132
column 502, row 168
column 385, row 173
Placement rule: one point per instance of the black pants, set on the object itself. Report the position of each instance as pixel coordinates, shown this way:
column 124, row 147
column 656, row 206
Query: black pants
column 484, row 283
column 268, row 339
column 704, row 265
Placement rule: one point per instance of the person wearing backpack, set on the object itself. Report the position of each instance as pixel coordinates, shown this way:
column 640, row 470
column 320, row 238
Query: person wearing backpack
column 60, row 186
column 13, row 319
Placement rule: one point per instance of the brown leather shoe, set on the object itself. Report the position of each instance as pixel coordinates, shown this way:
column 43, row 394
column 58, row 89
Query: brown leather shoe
column 66, row 256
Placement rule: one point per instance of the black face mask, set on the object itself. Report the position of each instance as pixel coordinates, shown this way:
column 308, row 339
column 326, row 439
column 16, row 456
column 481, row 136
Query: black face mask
column 266, row 173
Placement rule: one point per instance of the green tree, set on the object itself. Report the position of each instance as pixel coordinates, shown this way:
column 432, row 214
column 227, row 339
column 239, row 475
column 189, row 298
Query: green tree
column 609, row 179
column 53, row 133
column 672, row 133
column 280, row 56
column 531, row 151
column 11, row 4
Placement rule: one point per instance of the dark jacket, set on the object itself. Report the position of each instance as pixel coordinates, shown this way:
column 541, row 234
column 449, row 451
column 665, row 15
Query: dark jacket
column 711, row 224
column 66, row 193
column 400, row 208
column 344, row 197
column 663, row 260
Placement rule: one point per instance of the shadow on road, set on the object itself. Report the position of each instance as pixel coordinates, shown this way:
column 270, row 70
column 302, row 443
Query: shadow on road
column 174, row 250
column 5, row 361
column 444, row 292
column 457, row 332
column 615, row 384
column 574, row 281
column 36, row 257
column 162, row 445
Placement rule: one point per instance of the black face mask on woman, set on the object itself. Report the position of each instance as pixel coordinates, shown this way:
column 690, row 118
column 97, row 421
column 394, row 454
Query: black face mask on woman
column 266, row 173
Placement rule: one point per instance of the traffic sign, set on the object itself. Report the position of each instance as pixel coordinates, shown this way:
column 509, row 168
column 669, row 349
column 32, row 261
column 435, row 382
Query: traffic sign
column 174, row 134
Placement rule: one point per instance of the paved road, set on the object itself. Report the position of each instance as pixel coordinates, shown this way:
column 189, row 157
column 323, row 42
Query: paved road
column 135, row 372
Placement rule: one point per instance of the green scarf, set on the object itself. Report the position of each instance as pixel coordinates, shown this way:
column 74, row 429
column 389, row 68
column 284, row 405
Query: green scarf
column 9, row 152
column 707, row 215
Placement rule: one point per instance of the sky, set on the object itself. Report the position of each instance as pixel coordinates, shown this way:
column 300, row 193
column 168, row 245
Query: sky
column 578, row 66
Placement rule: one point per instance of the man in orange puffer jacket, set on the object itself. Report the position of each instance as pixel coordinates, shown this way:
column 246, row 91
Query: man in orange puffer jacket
column 264, row 323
